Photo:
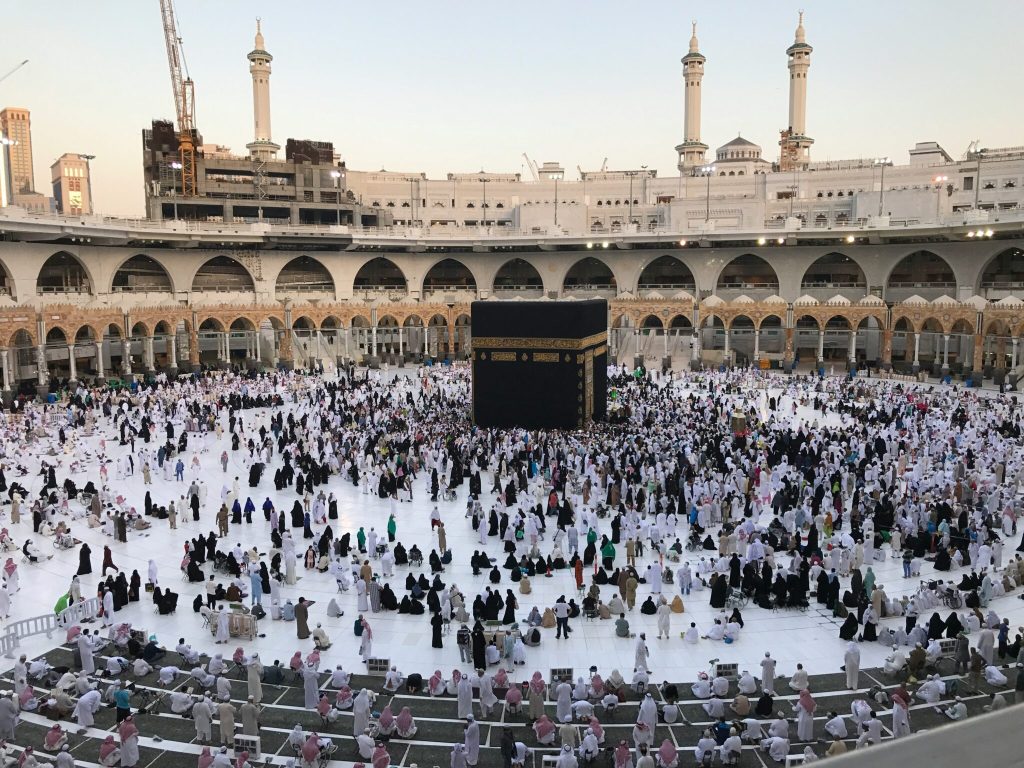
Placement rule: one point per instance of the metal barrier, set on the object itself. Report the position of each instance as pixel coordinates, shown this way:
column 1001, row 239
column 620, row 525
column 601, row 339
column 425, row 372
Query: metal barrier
column 79, row 612
column 48, row 624
column 8, row 642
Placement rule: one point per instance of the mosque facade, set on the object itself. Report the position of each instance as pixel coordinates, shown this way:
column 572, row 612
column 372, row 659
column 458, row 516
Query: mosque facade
column 739, row 259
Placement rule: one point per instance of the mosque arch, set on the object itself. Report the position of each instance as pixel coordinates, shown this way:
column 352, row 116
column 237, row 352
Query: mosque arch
column 141, row 274
column 747, row 271
column 223, row 273
column 63, row 272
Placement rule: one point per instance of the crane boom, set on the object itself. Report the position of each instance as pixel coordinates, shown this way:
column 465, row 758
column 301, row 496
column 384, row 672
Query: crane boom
column 184, row 98
column 532, row 166
column 14, row 70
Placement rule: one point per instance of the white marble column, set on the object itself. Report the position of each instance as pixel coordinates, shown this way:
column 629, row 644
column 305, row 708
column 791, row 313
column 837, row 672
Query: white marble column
column 853, row 346
column 5, row 359
column 257, row 353
column 757, row 343
column 172, row 351
column 72, row 369
column 147, row 347
column 373, row 341
column 821, row 345
column 126, row 357
column 401, row 353
column 1013, row 353
column 945, row 351
column 917, row 350
column 99, row 359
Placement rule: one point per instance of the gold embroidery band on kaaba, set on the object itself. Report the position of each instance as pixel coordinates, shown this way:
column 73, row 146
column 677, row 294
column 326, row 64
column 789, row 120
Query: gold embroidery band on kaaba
column 502, row 342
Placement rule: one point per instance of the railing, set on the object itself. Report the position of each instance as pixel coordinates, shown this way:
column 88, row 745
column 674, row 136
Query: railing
column 46, row 624
column 470, row 232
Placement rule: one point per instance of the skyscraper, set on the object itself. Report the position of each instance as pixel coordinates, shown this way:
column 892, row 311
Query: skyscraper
column 16, row 126
column 71, row 188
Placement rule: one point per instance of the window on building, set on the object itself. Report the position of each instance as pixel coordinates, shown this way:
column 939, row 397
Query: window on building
column 968, row 183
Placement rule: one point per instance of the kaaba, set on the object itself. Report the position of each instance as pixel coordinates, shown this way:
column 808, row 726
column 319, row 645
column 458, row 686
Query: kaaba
column 540, row 364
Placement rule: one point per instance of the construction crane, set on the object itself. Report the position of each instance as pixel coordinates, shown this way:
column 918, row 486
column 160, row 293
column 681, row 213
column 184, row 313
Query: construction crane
column 14, row 70
column 184, row 98
column 532, row 166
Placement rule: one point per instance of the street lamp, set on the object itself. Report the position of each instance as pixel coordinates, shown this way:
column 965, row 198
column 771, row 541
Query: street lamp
column 939, row 181
column 882, row 161
column 88, row 178
column 175, row 165
column 556, row 201
column 336, row 175
column 484, row 180
column 707, row 171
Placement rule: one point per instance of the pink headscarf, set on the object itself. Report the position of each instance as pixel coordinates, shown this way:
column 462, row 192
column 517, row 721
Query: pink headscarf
column 386, row 719
column 597, row 728
column 456, row 676
column 513, row 695
column 381, row 758
column 24, row 755
column 598, row 685
column 296, row 661
column 435, row 679
column 807, row 702
column 313, row 659
column 537, row 683
column 667, row 752
column 366, row 629
column 53, row 736
column 323, row 706
column 205, row 759
column 127, row 728
column 404, row 720
column 622, row 755
column 242, row 760
column 109, row 746
column 311, row 749
column 238, row 655
column 9, row 566
column 543, row 726
column 344, row 694
column 501, row 679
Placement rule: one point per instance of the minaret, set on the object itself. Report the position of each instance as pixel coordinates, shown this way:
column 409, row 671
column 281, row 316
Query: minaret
column 691, row 151
column 795, row 143
column 261, row 148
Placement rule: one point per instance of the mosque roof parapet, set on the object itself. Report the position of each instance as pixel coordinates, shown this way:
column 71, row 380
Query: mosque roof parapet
column 915, row 299
column 713, row 301
column 682, row 296
column 872, row 301
column 976, row 301
column 1009, row 301
column 838, row 301
column 774, row 299
column 743, row 299
column 806, row 301
column 945, row 300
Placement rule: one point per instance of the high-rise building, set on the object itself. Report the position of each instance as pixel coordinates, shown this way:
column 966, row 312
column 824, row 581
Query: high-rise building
column 71, row 189
column 16, row 127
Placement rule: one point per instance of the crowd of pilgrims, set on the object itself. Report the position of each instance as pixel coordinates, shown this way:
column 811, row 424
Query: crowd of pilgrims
column 708, row 467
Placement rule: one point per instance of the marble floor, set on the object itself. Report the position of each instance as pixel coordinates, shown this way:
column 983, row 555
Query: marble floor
column 809, row 637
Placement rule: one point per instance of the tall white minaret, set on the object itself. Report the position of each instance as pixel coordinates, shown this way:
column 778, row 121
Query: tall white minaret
column 691, row 151
column 261, row 148
column 796, row 145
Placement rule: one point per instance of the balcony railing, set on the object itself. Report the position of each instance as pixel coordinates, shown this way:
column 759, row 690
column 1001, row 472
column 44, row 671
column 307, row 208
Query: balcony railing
column 497, row 230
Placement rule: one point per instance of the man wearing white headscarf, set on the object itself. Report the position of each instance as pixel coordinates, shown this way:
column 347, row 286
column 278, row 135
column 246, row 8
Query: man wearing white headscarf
column 360, row 712
column 472, row 741
column 566, row 759
column 851, row 663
